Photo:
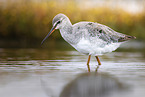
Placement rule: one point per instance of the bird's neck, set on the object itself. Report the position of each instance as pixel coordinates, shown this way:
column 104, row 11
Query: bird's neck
column 67, row 33
column 66, row 28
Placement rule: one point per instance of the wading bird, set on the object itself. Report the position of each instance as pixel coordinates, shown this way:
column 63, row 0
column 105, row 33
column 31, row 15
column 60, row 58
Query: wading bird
column 89, row 38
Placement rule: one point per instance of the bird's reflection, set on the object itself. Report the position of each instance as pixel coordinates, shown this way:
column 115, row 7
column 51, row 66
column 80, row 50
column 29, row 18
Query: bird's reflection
column 93, row 85
column 90, row 85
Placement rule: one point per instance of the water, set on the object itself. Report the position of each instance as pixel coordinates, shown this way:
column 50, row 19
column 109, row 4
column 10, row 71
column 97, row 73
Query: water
column 53, row 73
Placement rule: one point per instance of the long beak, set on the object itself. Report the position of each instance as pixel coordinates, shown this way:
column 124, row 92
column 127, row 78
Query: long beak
column 51, row 31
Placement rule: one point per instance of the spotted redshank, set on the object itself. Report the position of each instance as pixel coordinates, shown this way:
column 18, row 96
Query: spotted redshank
column 89, row 38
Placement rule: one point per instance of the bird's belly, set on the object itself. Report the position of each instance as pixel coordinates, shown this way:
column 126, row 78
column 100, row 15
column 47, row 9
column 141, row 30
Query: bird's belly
column 86, row 47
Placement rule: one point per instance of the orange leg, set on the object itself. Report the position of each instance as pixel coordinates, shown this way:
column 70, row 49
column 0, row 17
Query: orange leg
column 99, row 63
column 88, row 63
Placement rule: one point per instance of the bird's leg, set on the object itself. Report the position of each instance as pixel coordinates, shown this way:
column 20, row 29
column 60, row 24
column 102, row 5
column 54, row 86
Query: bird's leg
column 99, row 63
column 88, row 63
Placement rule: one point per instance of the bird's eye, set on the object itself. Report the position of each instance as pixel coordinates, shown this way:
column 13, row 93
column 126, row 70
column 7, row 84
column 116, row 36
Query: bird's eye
column 58, row 22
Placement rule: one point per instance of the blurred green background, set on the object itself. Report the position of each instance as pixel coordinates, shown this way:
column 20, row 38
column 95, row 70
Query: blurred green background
column 24, row 23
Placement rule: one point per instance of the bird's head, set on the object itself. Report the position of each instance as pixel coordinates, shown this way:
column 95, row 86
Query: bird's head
column 58, row 22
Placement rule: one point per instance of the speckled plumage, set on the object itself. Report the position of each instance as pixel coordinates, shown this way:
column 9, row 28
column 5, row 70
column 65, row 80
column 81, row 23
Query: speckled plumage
column 88, row 37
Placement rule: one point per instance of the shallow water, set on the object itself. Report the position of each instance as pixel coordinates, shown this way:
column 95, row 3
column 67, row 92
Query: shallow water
column 46, row 73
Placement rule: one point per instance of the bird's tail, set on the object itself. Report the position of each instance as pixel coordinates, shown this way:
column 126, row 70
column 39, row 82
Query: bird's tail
column 127, row 37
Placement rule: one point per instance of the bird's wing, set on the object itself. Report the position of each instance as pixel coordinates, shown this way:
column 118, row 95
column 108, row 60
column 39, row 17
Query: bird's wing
column 94, row 31
column 104, row 33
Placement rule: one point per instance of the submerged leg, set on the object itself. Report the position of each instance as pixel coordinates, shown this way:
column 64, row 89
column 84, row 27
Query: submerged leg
column 99, row 63
column 88, row 63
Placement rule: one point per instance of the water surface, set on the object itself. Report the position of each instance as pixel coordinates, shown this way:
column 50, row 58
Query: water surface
column 45, row 73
